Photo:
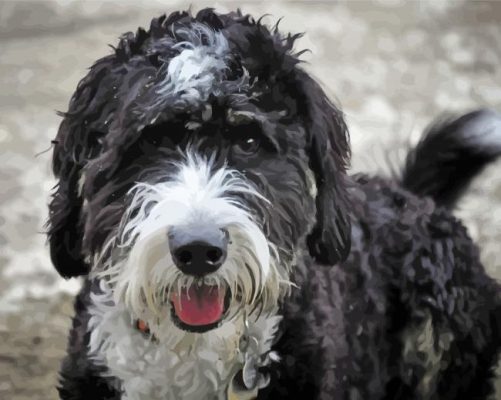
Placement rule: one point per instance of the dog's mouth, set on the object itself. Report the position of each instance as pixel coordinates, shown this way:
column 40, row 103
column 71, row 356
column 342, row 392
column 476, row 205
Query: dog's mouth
column 200, row 307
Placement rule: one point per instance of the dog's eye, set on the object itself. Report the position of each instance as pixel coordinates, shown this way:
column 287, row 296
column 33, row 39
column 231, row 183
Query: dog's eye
column 247, row 145
column 247, row 139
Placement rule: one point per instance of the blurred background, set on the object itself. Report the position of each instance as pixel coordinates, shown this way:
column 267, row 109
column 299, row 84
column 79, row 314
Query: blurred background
column 392, row 65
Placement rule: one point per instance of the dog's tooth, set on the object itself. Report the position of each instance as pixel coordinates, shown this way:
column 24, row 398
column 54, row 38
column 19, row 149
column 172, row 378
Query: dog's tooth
column 234, row 290
column 188, row 286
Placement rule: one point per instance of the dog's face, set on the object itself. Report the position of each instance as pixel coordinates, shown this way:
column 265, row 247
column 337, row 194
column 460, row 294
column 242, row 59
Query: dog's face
column 195, row 164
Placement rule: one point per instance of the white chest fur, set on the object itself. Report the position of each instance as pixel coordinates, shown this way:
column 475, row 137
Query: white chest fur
column 199, row 366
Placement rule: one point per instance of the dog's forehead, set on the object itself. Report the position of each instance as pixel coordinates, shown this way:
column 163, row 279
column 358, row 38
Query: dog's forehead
column 187, row 68
column 196, row 69
column 199, row 67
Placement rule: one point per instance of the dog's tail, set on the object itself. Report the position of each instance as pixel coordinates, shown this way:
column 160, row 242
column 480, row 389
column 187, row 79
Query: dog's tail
column 452, row 151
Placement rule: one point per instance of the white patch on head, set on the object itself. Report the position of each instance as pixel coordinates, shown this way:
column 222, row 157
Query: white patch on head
column 484, row 132
column 194, row 72
column 201, row 366
column 137, row 261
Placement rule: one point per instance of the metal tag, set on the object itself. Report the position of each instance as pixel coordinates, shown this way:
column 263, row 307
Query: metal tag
column 246, row 383
column 237, row 392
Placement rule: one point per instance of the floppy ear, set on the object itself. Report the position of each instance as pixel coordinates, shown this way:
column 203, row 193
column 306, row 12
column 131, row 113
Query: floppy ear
column 75, row 143
column 330, row 239
column 65, row 228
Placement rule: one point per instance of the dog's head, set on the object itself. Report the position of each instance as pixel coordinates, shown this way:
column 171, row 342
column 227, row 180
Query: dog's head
column 194, row 164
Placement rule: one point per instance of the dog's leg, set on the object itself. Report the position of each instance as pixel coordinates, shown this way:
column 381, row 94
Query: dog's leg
column 423, row 350
column 80, row 379
column 439, row 363
column 472, row 359
column 450, row 343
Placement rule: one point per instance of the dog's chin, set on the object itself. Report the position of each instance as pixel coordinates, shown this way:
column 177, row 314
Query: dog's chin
column 200, row 308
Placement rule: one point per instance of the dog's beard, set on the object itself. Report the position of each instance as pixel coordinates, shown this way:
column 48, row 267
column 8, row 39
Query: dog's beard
column 138, row 267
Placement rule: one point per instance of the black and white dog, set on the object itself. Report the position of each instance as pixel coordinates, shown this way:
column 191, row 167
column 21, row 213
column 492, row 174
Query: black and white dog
column 228, row 255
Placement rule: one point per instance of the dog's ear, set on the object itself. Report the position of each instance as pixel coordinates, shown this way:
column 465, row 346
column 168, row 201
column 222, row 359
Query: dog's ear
column 330, row 239
column 75, row 144
column 65, row 228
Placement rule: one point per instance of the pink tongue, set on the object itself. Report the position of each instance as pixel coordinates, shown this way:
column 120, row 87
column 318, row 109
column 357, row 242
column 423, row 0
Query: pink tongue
column 202, row 305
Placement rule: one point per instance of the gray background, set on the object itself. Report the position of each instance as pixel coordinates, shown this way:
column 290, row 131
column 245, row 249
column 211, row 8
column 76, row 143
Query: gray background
column 392, row 65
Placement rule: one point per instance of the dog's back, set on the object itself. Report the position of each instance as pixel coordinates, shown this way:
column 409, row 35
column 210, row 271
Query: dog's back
column 411, row 313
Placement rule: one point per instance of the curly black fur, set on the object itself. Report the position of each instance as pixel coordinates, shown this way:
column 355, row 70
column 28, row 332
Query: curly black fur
column 400, row 308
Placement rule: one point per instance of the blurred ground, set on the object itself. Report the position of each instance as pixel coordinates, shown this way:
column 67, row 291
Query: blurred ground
column 392, row 65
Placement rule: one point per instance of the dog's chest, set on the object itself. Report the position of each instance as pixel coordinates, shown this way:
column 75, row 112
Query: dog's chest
column 199, row 367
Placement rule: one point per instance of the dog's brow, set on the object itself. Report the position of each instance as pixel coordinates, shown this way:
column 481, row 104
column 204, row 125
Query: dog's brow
column 236, row 117
column 264, row 120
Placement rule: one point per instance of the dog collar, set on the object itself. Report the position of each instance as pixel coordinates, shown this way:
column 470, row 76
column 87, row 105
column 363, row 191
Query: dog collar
column 142, row 327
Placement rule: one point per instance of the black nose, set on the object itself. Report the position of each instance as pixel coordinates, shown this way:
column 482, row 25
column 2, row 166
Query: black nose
column 198, row 251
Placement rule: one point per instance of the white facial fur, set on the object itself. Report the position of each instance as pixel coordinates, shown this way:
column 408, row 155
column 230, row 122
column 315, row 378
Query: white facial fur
column 139, row 267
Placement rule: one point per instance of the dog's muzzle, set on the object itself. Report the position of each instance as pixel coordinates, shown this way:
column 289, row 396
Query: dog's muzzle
column 190, row 243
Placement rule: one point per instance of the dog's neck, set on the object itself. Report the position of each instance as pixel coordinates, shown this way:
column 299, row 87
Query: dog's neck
column 219, row 364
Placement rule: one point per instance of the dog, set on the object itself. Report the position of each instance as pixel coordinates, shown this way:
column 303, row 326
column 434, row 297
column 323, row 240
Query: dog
column 203, row 194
